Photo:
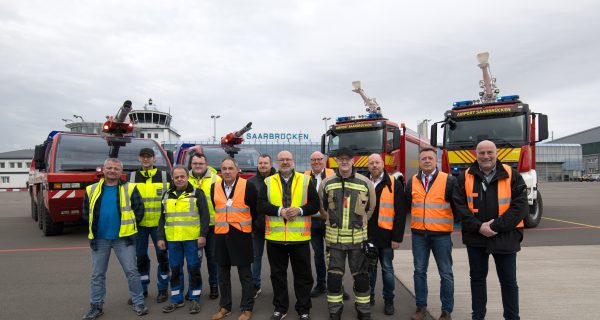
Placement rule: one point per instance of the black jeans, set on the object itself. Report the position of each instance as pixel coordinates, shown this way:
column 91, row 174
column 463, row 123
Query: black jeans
column 506, row 268
column 299, row 257
column 245, row 274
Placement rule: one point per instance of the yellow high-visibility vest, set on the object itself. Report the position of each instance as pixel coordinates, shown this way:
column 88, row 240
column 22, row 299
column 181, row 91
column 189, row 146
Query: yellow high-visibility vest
column 278, row 229
column 128, row 226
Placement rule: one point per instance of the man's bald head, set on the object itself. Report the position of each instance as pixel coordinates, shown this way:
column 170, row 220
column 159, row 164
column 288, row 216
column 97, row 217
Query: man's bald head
column 317, row 162
column 487, row 154
column 375, row 165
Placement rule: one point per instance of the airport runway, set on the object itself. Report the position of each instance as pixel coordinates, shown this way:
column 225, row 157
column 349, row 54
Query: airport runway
column 48, row 277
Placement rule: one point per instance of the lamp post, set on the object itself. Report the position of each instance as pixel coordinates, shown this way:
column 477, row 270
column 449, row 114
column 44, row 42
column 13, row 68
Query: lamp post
column 215, row 117
column 325, row 119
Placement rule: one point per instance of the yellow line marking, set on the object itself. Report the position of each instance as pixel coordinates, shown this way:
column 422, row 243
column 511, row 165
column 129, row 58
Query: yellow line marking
column 571, row 222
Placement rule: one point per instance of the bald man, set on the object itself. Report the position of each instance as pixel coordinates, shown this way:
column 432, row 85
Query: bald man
column 491, row 199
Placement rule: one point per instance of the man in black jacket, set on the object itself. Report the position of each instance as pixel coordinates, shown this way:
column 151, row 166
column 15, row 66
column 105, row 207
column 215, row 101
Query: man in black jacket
column 491, row 199
column 265, row 169
column 385, row 228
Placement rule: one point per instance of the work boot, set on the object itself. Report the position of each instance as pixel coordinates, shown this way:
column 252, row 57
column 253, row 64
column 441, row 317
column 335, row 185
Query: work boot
column 318, row 290
column 278, row 315
column 140, row 309
column 388, row 308
column 305, row 316
column 194, row 307
column 420, row 314
column 445, row 315
column 162, row 296
column 246, row 315
column 172, row 307
column 94, row 313
column 214, row 291
column 222, row 313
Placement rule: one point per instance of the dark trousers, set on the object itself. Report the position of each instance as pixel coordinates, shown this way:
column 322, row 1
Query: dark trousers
column 258, row 244
column 299, row 257
column 506, row 268
column 245, row 274
column 317, row 240
column 211, row 263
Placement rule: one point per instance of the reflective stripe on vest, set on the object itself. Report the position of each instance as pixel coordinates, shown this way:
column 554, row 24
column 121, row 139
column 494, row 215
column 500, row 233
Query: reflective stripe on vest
column 386, row 207
column 128, row 226
column 182, row 220
column 151, row 193
column 504, row 193
column 237, row 214
column 205, row 183
column 429, row 209
column 277, row 228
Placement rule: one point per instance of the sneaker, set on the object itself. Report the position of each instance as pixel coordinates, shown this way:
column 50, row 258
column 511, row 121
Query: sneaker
column 214, row 291
column 278, row 315
column 388, row 308
column 130, row 302
column 162, row 296
column 305, row 316
column 222, row 313
column 420, row 314
column 257, row 292
column 140, row 309
column 445, row 316
column 318, row 290
column 194, row 307
column 172, row 307
column 94, row 313
column 246, row 315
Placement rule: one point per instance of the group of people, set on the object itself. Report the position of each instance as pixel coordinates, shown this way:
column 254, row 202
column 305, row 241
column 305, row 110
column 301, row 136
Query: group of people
column 342, row 214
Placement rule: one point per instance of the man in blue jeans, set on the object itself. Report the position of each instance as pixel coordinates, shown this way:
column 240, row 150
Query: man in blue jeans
column 113, row 208
column 429, row 195
column 491, row 199
column 385, row 228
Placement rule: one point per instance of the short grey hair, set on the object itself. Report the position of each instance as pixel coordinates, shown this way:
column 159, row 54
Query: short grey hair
column 180, row 166
column 113, row 160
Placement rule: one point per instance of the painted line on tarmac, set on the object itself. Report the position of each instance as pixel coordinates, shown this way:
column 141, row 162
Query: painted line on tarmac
column 43, row 249
column 575, row 223
column 559, row 228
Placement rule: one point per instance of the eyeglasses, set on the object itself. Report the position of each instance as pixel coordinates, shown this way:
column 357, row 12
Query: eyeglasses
column 285, row 160
column 197, row 164
column 344, row 159
column 316, row 159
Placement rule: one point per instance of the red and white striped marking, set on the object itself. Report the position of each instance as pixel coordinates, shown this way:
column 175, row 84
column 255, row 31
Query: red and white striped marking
column 13, row 190
column 64, row 194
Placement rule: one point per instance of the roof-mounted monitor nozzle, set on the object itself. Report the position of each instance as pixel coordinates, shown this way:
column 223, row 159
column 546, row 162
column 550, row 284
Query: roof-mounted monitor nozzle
column 489, row 91
column 372, row 106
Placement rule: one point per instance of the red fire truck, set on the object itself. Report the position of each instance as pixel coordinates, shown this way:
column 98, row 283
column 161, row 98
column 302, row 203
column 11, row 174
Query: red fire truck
column 372, row 133
column 508, row 122
column 65, row 163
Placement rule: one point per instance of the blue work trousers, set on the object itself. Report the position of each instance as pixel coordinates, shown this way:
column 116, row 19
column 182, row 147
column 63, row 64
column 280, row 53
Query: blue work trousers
column 143, row 261
column 178, row 250
column 258, row 245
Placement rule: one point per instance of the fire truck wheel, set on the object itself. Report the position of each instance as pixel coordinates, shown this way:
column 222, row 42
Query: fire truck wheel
column 535, row 212
column 49, row 227
column 34, row 214
column 40, row 207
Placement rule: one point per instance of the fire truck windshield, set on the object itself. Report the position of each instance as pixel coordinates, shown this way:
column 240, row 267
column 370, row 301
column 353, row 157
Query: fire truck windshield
column 86, row 153
column 362, row 142
column 247, row 158
column 507, row 131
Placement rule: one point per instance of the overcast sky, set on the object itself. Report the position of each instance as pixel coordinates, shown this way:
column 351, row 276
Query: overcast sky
column 284, row 65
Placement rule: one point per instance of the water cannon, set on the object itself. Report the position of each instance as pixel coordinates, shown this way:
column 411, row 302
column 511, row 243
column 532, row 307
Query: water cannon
column 489, row 91
column 120, row 123
column 236, row 137
column 372, row 105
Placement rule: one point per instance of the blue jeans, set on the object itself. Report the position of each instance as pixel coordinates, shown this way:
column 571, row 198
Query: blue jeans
column 441, row 246
column 386, row 255
column 506, row 268
column 317, row 237
column 211, row 263
column 143, row 261
column 258, row 245
column 178, row 250
column 125, row 252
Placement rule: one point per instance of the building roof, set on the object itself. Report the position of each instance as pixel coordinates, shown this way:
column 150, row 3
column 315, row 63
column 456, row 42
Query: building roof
column 587, row 136
column 17, row 154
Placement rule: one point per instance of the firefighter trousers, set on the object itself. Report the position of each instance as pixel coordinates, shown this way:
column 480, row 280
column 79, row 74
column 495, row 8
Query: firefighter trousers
column 359, row 264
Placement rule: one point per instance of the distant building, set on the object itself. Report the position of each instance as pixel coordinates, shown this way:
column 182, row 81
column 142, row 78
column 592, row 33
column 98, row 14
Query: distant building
column 14, row 169
column 590, row 146
column 558, row 162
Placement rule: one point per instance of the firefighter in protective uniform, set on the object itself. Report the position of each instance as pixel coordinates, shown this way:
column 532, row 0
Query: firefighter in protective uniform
column 347, row 202
column 152, row 183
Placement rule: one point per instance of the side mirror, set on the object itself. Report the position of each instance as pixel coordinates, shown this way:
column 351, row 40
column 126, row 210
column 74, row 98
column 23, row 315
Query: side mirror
column 542, row 127
column 433, row 135
column 323, row 144
column 396, row 144
column 39, row 156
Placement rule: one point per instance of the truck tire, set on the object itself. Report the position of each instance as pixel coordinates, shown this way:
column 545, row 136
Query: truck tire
column 49, row 227
column 535, row 212
column 34, row 210
column 40, row 206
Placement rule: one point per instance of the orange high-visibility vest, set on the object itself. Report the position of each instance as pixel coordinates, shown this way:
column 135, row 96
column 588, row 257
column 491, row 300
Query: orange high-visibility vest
column 237, row 214
column 386, row 208
column 328, row 172
column 429, row 209
column 504, row 193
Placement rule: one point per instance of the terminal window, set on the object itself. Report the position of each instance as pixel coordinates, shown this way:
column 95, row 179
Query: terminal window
column 2, row 165
column 12, row 164
column 5, row 179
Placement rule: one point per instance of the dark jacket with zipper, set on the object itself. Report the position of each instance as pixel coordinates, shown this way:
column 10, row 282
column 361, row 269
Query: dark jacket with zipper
column 509, row 237
column 380, row 237
column 258, row 220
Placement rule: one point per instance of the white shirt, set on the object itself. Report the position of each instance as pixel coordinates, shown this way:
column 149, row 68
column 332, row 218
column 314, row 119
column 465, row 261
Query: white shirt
column 429, row 177
column 376, row 182
column 228, row 189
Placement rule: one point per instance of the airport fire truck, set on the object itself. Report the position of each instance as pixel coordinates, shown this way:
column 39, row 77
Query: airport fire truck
column 372, row 133
column 66, row 162
column 505, row 120
column 230, row 146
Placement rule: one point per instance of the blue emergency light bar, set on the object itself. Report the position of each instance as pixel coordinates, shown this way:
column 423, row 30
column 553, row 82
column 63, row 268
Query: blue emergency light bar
column 343, row 119
column 52, row 134
column 463, row 103
column 508, row 98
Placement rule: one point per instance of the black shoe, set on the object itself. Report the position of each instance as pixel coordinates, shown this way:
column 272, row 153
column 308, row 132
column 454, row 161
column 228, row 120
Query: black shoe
column 278, row 315
column 162, row 296
column 140, row 309
column 318, row 290
column 172, row 307
column 305, row 316
column 389, row 309
column 334, row 317
column 214, row 292
column 94, row 313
